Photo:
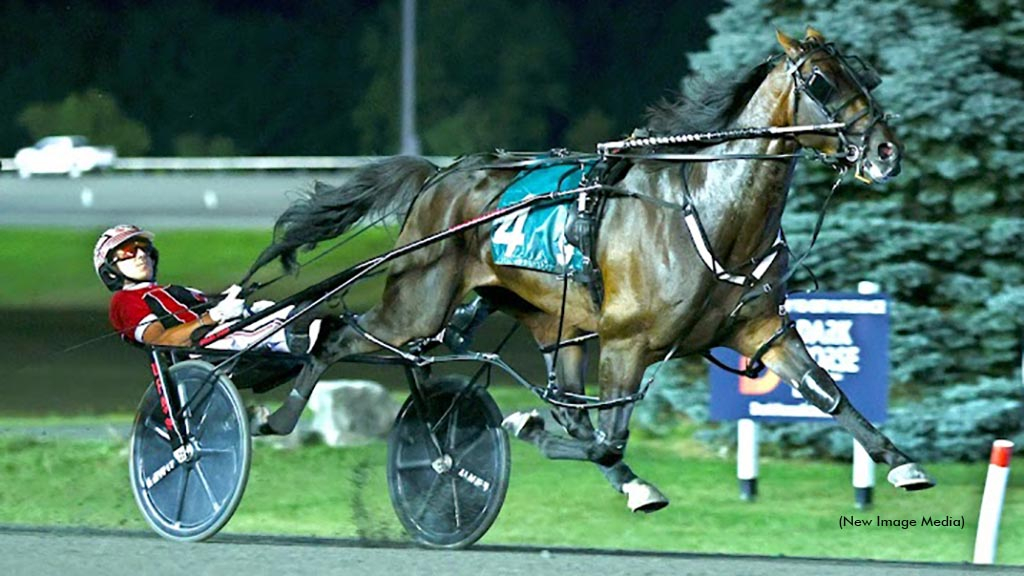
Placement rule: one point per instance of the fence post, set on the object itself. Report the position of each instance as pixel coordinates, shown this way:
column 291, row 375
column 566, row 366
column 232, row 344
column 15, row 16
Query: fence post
column 992, row 502
column 863, row 477
column 863, row 465
column 746, row 458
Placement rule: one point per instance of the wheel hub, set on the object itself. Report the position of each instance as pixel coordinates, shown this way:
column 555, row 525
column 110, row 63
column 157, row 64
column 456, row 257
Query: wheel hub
column 442, row 464
column 185, row 452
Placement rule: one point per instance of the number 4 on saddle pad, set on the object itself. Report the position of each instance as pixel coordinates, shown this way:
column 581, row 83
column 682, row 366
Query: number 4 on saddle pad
column 534, row 238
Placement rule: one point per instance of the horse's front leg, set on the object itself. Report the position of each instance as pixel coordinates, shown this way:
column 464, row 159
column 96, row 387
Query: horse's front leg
column 789, row 360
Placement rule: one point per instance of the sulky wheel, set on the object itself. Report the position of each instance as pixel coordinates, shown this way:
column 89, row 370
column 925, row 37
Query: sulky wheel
column 189, row 492
column 448, row 468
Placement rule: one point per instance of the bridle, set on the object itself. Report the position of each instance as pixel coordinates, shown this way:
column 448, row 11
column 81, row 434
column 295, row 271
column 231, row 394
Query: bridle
column 821, row 91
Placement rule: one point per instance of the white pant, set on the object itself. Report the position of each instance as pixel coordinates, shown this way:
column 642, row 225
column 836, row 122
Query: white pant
column 272, row 325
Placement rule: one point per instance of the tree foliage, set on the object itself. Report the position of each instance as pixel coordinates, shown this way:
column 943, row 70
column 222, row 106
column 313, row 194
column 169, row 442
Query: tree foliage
column 504, row 76
column 91, row 113
column 322, row 76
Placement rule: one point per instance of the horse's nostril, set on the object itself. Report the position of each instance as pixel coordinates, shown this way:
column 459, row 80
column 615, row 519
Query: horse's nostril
column 886, row 150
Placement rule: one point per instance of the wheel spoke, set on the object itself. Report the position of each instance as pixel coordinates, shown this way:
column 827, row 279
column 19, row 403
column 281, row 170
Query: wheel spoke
column 159, row 430
column 453, row 428
column 199, row 425
column 181, row 498
column 460, row 452
column 206, row 487
column 431, row 435
column 203, row 393
column 205, row 451
column 413, row 465
column 455, row 502
column 426, row 499
column 451, row 409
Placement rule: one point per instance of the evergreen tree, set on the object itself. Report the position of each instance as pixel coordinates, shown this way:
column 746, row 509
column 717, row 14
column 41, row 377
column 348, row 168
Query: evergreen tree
column 92, row 114
column 944, row 239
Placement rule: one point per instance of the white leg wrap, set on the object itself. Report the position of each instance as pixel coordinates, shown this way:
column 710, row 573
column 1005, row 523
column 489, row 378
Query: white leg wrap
column 643, row 497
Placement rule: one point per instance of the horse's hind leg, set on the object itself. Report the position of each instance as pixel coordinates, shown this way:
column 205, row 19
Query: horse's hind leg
column 622, row 367
column 572, row 368
column 571, row 373
column 416, row 302
column 620, row 364
column 788, row 358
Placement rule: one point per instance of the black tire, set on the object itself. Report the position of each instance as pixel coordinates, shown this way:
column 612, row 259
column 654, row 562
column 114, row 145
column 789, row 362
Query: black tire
column 191, row 501
column 452, row 508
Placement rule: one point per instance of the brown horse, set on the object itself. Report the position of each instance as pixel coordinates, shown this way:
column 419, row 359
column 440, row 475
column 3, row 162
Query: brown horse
column 665, row 287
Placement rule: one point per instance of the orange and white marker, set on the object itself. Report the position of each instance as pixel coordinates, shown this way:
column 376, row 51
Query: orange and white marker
column 992, row 502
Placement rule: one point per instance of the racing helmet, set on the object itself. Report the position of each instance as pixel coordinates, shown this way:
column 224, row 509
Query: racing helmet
column 102, row 254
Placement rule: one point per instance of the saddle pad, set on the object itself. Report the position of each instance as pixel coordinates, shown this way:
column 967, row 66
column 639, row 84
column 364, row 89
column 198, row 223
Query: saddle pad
column 534, row 237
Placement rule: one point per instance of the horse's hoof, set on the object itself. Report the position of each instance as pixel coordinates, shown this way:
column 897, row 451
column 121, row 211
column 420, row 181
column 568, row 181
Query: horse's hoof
column 523, row 424
column 910, row 477
column 259, row 420
column 643, row 497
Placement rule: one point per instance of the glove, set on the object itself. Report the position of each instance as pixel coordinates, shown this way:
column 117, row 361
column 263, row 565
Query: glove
column 230, row 307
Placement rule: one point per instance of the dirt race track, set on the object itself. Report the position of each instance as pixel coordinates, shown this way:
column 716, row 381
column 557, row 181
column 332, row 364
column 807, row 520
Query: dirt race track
column 40, row 551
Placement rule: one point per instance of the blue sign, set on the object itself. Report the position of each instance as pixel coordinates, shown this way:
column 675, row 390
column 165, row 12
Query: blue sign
column 846, row 334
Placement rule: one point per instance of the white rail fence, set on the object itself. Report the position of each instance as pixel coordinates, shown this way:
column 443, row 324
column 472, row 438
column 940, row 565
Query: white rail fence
column 269, row 163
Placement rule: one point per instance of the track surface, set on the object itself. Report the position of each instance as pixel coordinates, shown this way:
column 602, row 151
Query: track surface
column 80, row 551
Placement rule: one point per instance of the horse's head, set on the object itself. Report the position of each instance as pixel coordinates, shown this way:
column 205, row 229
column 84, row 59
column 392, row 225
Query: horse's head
column 830, row 87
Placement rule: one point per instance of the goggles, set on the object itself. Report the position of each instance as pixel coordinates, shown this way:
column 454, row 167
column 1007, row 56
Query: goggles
column 131, row 248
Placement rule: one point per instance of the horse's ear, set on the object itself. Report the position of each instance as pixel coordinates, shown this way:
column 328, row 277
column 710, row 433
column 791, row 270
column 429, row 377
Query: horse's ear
column 790, row 45
column 814, row 36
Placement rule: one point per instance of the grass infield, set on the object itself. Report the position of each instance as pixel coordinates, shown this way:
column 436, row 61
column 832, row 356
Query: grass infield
column 44, row 268
column 322, row 491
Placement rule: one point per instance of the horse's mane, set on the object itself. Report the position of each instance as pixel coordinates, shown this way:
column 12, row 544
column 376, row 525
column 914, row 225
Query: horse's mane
column 706, row 105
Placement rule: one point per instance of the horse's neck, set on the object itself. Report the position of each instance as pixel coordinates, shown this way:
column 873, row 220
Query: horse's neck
column 747, row 197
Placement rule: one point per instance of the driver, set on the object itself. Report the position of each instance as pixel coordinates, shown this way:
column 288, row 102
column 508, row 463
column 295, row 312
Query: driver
column 146, row 312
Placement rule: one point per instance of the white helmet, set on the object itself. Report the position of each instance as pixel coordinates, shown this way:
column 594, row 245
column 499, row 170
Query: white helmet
column 111, row 239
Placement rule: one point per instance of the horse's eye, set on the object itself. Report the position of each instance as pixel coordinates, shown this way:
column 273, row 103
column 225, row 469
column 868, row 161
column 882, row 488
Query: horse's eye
column 819, row 87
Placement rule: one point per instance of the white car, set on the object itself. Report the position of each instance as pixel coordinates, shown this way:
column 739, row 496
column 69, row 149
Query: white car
column 69, row 155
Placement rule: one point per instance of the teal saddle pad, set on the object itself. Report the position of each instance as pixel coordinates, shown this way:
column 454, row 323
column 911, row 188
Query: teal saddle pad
column 534, row 237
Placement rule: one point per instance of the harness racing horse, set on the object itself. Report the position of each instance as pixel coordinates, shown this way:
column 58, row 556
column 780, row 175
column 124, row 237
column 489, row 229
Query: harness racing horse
column 690, row 252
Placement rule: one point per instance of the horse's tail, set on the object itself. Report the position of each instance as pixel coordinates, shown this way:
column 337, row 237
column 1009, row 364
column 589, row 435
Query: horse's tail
column 387, row 186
